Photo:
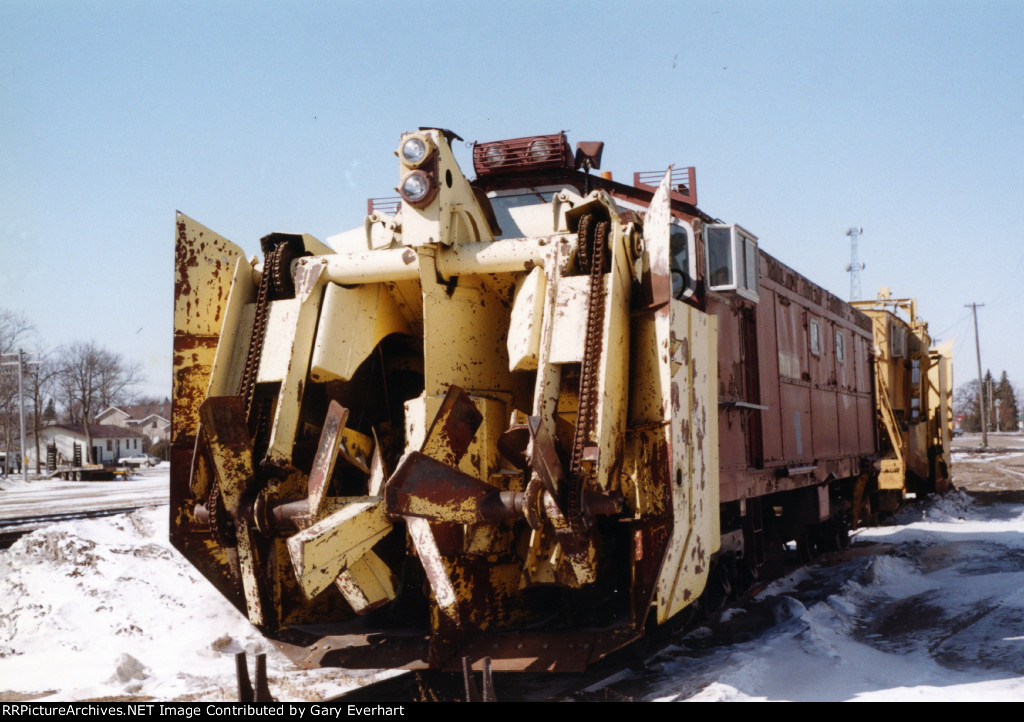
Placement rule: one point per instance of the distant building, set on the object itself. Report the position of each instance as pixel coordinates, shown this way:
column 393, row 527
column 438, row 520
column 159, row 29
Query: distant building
column 153, row 420
column 109, row 443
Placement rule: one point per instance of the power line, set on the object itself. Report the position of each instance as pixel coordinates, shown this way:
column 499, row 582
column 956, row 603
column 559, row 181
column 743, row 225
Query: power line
column 955, row 324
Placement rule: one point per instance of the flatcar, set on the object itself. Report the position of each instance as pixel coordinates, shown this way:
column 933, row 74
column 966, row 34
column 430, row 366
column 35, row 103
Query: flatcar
column 524, row 417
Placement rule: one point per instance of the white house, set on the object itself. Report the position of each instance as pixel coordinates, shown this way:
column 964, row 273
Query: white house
column 154, row 420
column 109, row 443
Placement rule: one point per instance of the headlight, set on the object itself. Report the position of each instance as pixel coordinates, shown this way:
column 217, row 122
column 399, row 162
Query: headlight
column 494, row 155
column 418, row 188
column 413, row 150
column 416, row 150
column 516, row 155
column 541, row 150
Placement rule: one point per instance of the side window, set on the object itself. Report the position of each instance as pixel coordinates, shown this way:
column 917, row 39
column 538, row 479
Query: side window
column 682, row 263
column 815, row 333
column 840, row 347
column 732, row 260
column 750, row 264
column 720, row 270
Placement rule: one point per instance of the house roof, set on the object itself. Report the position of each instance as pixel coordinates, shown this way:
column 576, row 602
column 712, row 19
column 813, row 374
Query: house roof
column 141, row 422
column 109, row 411
column 139, row 412
column 98, row 431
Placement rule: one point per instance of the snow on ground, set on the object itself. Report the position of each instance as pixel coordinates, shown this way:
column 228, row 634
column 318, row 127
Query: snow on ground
column 106, row 608
column 929, row 607
column 981, row 457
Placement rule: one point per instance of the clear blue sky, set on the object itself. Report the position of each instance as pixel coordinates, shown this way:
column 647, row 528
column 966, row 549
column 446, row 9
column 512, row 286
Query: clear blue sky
column 803, row 119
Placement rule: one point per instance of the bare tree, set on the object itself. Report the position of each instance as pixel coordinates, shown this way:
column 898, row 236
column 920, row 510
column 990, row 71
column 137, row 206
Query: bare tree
column 39, row 383
column 966, row 407
column 90, row 378
column 15, row 330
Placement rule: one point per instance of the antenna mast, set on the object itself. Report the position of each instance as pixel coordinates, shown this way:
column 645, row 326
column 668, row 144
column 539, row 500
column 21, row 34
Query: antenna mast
column 854, row 266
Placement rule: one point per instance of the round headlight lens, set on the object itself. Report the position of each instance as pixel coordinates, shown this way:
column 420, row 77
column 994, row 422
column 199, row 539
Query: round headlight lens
column 494, row 156
column 413, row 150
column 540, row 150
column 415, row 187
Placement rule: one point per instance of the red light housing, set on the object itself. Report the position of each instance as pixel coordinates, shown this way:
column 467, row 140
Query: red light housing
column 534, row 152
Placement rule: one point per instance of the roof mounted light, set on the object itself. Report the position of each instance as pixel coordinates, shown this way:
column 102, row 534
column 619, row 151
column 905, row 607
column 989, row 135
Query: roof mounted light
column 495, row 155
column 541, row 150
column 535, row 152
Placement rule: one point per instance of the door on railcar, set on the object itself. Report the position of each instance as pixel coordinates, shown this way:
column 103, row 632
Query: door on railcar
column 733, row 285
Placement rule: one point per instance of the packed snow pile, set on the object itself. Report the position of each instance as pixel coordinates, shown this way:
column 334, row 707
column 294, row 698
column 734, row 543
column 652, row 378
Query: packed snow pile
column 13, row 482
column 105, row 608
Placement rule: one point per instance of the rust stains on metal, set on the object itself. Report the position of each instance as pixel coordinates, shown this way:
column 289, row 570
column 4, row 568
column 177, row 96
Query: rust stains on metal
column 325, row 457
column 453, row 428
column 425, row 487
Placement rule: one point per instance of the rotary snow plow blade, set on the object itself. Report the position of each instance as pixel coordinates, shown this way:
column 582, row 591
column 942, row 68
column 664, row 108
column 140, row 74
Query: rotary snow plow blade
column 425, row 445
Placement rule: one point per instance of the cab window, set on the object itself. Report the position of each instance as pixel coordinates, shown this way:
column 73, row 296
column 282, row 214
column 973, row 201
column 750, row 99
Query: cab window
column 732, row 259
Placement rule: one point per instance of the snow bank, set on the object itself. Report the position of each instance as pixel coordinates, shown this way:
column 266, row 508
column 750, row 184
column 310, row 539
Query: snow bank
column 106, row 608
column 928, row 608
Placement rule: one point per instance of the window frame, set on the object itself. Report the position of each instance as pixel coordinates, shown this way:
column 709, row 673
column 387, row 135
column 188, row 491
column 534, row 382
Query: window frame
column 814, row 336
column 744, row 274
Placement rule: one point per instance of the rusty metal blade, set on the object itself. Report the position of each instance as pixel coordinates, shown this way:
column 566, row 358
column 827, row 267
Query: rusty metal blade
column 320, row 553
column 544, row 458
column 230, row 446
column 325, row 458
column 378, row 473
column 425, row 487
column 367, row 583
column 453, row 428
column 430, row 557
column 579, row 556
column 251, row 572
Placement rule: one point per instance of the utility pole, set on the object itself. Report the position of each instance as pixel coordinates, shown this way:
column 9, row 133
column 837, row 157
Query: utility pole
column 981, row 388
column 19, row 359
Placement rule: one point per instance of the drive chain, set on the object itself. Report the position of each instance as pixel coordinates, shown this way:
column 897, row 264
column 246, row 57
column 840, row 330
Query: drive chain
column 593, row 260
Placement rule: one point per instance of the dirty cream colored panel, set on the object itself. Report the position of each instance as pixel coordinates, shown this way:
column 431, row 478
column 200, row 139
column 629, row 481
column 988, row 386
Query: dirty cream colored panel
column 204, row 266
column 526, row 322
column 203, row 270
column 694, row 429
column 278, row 339
column 353, row 321
column 570, row 319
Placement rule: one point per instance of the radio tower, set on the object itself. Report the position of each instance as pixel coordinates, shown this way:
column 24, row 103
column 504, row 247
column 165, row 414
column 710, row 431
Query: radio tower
column 854, row 266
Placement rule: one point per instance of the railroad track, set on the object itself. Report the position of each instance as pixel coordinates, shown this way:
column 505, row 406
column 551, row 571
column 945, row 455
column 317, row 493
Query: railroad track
column 13, row 529
column 588, row 686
